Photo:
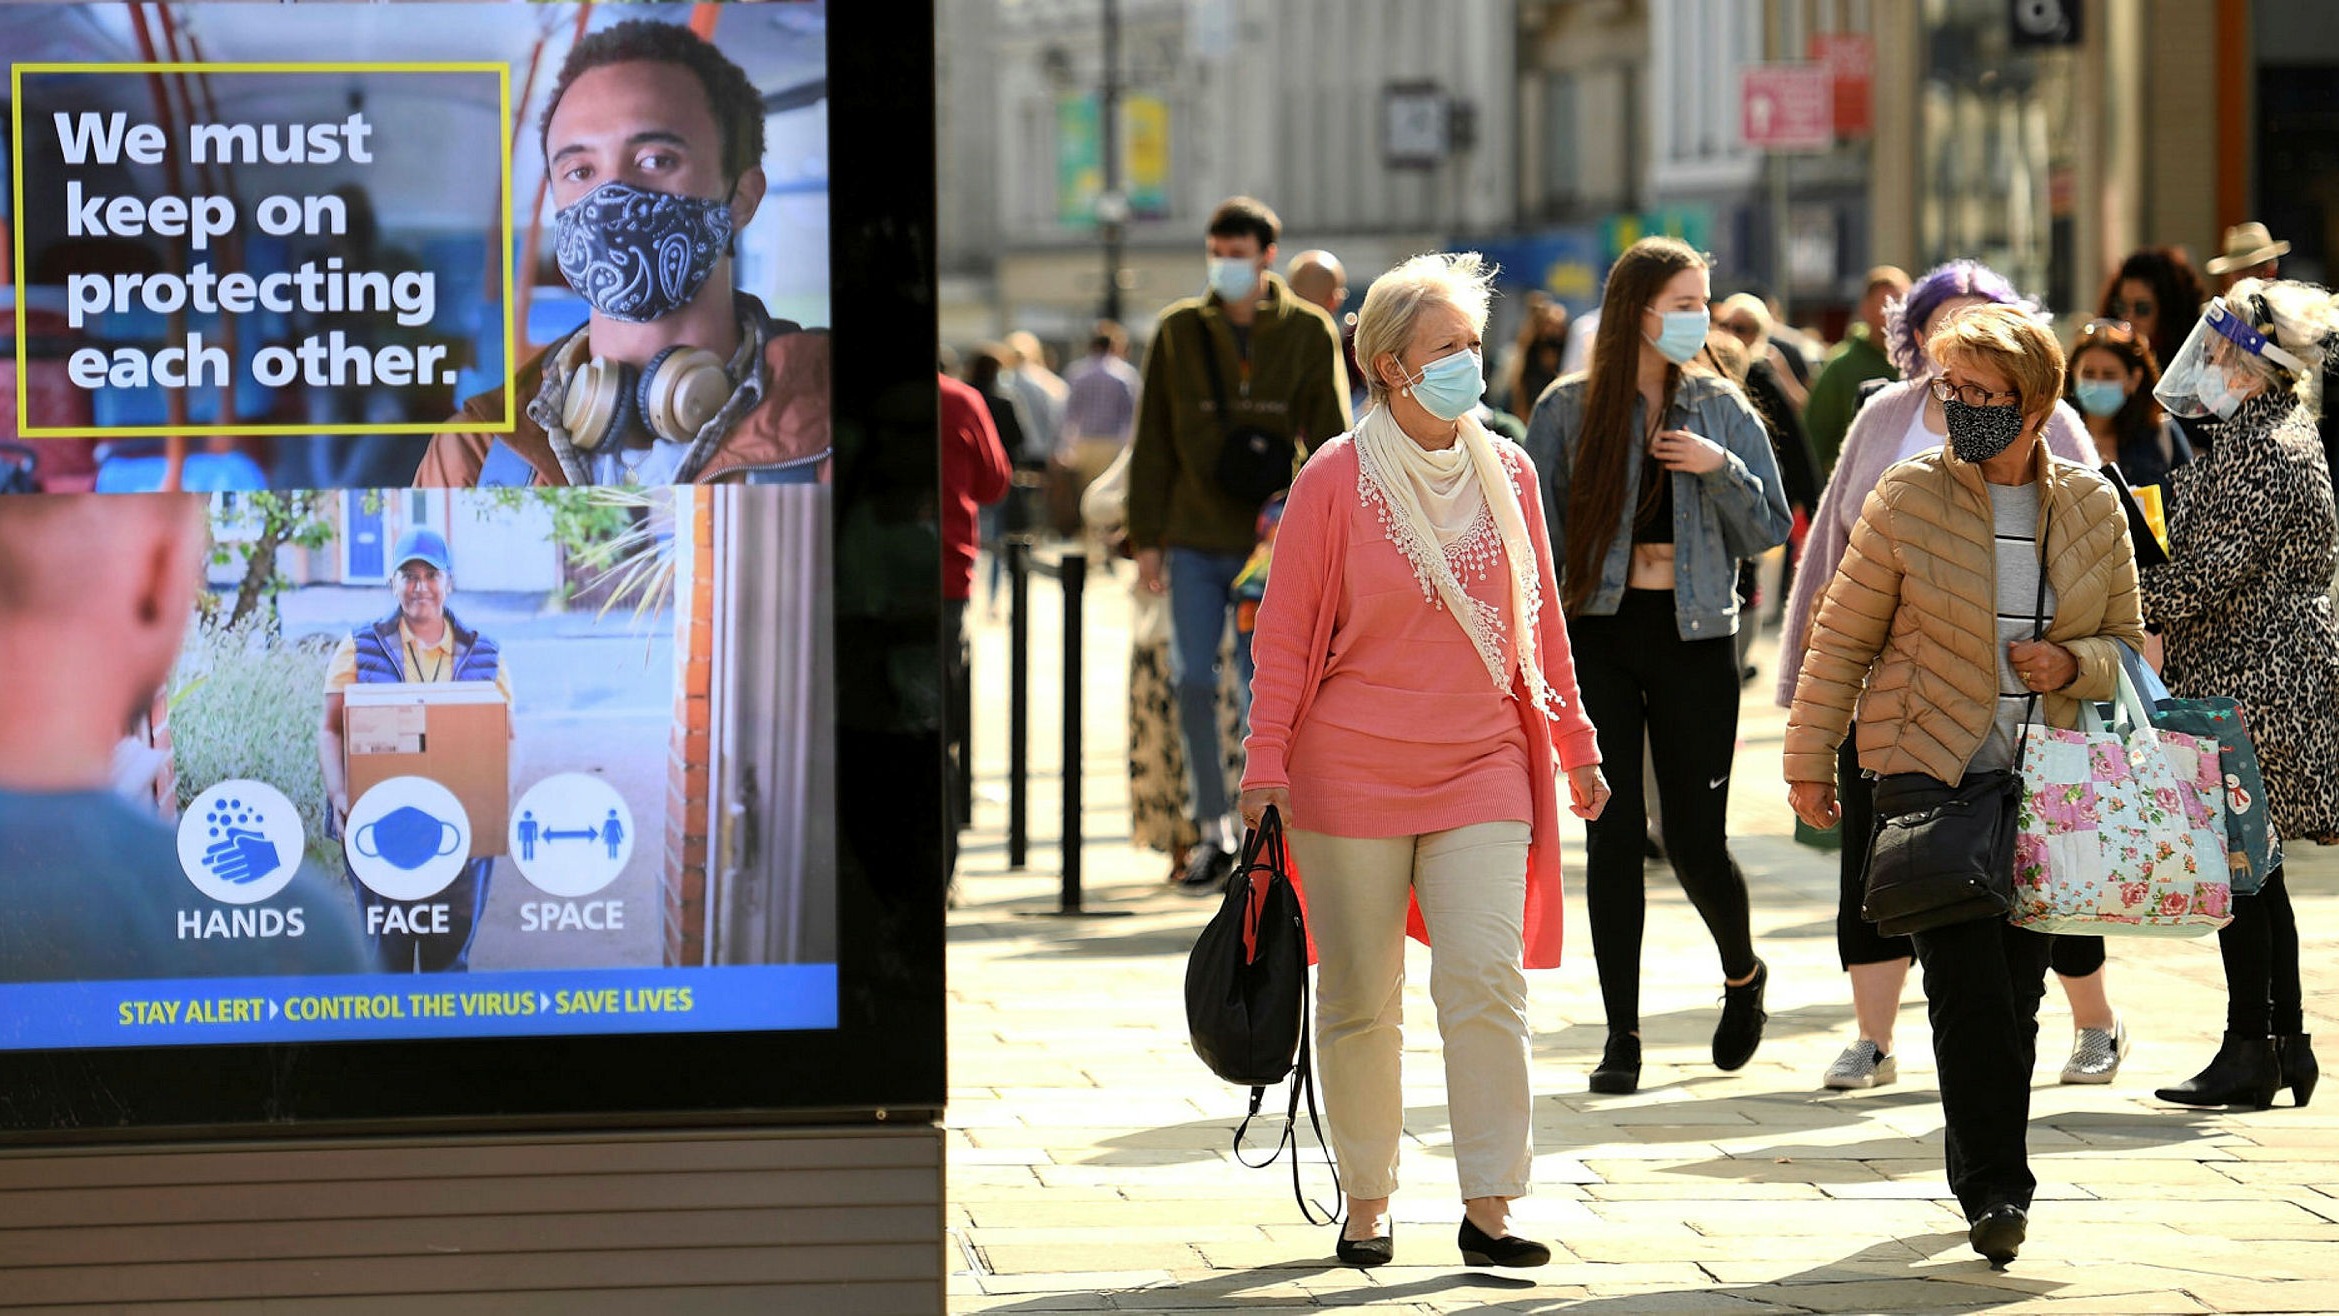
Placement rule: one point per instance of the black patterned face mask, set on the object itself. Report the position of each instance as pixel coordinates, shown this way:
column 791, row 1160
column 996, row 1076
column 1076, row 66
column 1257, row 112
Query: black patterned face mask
column 638, row 255
column 1976, row 434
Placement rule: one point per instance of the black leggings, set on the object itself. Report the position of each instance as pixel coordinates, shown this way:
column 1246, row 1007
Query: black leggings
column 1639, row 677
column 2260, row 949
column 1856, row 940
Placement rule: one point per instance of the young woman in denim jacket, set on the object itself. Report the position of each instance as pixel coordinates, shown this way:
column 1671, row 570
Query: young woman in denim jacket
column 1662, row 479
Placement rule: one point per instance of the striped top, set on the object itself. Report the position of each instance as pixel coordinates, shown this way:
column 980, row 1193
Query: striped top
column 2015, row 509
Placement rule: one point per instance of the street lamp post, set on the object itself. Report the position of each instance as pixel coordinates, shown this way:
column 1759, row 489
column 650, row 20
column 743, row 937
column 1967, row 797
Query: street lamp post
column 1112, row 208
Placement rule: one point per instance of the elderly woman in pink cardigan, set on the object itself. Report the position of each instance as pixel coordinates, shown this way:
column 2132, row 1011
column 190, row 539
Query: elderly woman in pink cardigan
column 1412, row 704
column 1895, row 424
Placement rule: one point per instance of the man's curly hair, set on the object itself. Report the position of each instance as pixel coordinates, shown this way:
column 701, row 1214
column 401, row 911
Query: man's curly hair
column 737, row 106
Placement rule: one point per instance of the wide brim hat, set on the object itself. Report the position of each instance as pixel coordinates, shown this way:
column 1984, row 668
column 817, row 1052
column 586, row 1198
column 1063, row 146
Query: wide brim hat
column 2247, row 244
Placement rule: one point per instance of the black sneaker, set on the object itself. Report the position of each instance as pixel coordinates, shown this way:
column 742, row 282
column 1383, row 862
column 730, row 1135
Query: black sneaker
column 1207, row 868
column 1740, row 1031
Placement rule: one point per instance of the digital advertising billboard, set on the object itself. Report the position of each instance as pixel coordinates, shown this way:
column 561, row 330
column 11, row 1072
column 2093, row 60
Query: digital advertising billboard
column 445, row 451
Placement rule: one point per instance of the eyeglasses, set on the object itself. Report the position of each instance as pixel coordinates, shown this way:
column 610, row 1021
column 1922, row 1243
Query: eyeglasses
column 1973, row 395
column 2138, row 308
column 2118, row 331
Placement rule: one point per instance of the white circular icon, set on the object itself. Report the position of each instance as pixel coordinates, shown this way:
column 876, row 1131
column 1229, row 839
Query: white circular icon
column 571, row 835
column 407, row 838
column 240, row 842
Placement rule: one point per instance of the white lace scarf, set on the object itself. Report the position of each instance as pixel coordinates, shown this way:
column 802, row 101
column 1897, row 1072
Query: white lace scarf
column 1454, row 514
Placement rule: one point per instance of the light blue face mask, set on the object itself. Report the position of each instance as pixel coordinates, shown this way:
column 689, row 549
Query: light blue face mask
column 1683, row 336
column 1450, row 385
column 2100, row 397
column 1233, row 278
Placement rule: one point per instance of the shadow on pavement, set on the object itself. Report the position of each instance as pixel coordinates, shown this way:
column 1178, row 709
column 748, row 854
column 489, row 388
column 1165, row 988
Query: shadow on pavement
column 1224, row 1290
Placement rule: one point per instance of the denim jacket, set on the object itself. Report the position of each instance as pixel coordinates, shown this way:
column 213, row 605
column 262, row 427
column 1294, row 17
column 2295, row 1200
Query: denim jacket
column 1736, row 511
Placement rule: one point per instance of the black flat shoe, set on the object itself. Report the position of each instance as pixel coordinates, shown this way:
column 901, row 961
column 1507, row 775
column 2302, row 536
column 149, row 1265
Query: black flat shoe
column 1366, row 1253
column 1740, row 1030
column 1619, row 1073
column 2245, row 1072
column 1998, row 1233
column 1509, row 1250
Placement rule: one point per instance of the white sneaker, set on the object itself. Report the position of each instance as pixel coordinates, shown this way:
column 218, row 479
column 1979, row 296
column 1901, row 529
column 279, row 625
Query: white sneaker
column 1861, row 1065
column 2096, row 1054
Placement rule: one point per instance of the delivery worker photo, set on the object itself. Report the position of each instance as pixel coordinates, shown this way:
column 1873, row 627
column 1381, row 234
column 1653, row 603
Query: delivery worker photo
column 419, row 642
column 654, row 143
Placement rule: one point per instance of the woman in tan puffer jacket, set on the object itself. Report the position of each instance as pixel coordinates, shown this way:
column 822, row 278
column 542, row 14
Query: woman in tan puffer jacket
column 1927, row 629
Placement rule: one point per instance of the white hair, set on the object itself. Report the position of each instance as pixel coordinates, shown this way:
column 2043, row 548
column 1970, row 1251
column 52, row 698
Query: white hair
column 2300, row 317
column 1463, row 280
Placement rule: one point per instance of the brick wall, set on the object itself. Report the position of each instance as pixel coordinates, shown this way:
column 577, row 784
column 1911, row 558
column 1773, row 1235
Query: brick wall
column 689, row 753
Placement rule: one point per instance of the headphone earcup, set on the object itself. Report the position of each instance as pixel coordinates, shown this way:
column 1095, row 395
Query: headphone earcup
column 600, row 403
column 680, row 390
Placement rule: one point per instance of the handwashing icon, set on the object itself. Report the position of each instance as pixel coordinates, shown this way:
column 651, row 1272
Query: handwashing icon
column 408, row 838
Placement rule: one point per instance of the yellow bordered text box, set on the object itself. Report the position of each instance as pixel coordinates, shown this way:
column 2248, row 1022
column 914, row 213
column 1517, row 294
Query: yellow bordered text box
column 503, row 76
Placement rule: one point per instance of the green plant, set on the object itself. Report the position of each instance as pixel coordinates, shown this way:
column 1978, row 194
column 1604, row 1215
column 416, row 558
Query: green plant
column 278, row 520
column 245, row 703
column 623, row 536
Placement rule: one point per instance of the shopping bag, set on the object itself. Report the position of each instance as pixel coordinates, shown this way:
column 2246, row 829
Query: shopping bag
column 2122, row 828
column 2253, row 849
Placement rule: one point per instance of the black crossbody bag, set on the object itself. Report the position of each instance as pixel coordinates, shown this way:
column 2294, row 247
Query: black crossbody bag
column 1944, row 854
column 1253, row 465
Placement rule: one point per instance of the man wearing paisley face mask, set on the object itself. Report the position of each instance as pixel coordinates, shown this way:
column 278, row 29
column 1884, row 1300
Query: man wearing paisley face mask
column 654, row 140
column 420, row 641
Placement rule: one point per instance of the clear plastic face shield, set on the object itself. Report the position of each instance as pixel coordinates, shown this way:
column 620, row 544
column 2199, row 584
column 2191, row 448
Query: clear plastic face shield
column 2223, row 363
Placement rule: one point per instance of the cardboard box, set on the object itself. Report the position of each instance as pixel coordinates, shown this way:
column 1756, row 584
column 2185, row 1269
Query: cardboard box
column 456, row 733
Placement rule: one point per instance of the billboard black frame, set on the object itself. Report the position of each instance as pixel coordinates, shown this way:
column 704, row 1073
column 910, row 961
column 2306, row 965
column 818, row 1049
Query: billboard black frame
column 885, row 1059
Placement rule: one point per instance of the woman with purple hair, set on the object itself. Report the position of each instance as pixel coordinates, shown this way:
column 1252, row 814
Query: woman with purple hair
column 1893, row 424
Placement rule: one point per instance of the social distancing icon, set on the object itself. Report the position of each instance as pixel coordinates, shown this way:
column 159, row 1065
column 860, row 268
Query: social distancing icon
column 571, row 835
column 240, row 842
column 407, row 838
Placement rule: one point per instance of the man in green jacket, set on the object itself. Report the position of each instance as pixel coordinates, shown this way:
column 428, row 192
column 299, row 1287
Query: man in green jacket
column 1835, row 395
column 1280, row 371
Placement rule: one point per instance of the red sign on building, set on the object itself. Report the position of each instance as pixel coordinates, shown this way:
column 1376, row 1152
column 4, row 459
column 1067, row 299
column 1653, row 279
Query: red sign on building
column 1786, row 107
column 1850, row 59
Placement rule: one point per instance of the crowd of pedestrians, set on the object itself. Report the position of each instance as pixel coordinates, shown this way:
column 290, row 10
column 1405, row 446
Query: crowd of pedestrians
column 1492, row 581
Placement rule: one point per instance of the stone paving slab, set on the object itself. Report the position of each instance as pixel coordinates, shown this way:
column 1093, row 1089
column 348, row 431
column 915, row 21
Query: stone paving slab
column 1091, row 1166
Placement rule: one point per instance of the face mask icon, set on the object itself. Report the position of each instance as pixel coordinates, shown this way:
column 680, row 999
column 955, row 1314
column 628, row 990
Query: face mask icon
column 407, row 838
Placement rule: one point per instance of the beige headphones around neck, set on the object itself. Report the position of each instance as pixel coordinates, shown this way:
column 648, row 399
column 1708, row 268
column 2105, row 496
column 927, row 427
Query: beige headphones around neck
column 671, row 398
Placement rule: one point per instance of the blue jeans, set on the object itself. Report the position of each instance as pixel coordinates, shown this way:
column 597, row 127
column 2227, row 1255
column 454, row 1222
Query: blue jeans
column 1201, row 598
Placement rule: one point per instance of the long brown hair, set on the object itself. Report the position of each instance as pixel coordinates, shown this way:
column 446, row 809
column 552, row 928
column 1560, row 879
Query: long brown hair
column 1598, row 476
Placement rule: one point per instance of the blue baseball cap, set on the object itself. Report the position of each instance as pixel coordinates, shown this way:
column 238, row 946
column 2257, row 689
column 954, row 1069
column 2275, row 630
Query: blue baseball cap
column 421, row 545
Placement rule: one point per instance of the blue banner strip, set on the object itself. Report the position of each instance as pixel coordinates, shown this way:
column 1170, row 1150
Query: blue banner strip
column 381, row 1006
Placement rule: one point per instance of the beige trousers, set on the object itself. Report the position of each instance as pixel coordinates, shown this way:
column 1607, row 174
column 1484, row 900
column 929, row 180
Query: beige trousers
column 1472, row 884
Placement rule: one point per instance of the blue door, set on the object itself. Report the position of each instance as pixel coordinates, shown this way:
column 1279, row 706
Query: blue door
column 361, row 537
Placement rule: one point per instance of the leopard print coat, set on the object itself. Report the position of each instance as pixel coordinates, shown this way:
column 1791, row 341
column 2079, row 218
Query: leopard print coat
column 2245, row 602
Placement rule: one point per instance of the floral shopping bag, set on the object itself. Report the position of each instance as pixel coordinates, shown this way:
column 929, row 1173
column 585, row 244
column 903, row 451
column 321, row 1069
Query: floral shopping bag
column 2122, row 828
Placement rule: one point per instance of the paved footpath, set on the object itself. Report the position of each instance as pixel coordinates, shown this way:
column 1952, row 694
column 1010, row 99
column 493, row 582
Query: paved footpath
column 1089, row 1150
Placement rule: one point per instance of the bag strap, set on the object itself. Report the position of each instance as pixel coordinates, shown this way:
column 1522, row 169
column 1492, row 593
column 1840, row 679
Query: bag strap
column 1303, row 1075
column 2038, row 631
column 1217, row 381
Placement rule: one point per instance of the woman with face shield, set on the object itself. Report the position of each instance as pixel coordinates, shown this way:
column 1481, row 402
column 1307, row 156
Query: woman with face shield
column 1900, row 421
column 2244, row 608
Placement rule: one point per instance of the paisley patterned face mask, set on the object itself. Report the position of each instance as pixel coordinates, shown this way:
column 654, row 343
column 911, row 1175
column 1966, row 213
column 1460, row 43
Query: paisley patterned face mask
column 639, row 255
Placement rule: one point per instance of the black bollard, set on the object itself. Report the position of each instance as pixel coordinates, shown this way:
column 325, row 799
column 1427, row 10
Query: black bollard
column 1073, row 571
column 1018, row 698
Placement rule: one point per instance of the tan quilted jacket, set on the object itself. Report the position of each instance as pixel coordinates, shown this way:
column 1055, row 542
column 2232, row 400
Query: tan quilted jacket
column 1907, row 631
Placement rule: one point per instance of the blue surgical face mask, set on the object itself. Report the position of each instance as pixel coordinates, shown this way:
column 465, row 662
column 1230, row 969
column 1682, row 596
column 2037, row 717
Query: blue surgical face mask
column 1450, row 385
column 1683, row 336
column 408, row 838
column 2100, row 397
column 1233, row 278
column 639, row 255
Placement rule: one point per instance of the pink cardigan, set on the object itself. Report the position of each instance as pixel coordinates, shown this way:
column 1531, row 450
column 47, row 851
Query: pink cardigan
column 1869, row 447
column 1294, row 636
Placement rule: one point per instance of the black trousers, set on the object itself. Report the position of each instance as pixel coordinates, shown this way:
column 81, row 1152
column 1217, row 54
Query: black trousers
column 1638, row 678
column 1983, row 981
column 1856, row 939
column 2260, row 949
